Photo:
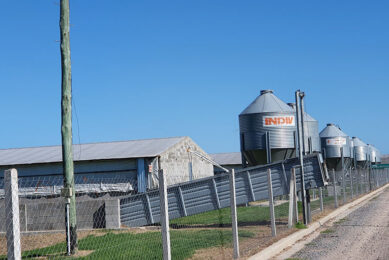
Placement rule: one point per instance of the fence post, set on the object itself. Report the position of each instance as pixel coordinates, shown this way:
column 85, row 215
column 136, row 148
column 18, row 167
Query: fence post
column 292, row 198
column 12, row 214
column 309, row 213
column 344, row 186
column 334, row 182
column 321, row 199
column 164, row 216
column 351, row 183
column 376, row 176
column 271, row 204
column 296, row 207
column 234, row 215
column 361, row 181
column 357, row 181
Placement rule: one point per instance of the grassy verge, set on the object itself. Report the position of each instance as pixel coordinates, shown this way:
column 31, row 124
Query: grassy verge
column 300, row 225
column 146, row 245
column 326, row 201
column 251, row 214
column 327, row 231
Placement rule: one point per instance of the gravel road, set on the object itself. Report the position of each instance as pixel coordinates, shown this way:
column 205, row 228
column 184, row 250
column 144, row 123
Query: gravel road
column 364, row 234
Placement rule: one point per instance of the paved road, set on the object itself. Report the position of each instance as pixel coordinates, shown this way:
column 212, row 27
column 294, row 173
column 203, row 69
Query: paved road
column 364, row 234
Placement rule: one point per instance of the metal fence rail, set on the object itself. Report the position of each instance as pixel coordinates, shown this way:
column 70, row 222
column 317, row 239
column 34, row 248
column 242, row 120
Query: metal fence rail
column 213, row 192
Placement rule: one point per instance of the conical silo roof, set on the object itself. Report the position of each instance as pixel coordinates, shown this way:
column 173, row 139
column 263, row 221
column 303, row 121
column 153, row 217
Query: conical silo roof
column 358, row 142
column 267, row 102
column 307, row 117
column 332, row 130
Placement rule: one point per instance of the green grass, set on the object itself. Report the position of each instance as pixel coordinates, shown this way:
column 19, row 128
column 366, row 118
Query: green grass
column 300, row 225
column 251, row 214
column 146, row 245
column 327, row 231
column 340, row 221
column 326, row 201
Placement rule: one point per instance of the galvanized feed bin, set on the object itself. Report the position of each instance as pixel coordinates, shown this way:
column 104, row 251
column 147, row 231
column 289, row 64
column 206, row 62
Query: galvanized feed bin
column 267, row 113
column 333, row 141
column 375, row 155
column 360, row 150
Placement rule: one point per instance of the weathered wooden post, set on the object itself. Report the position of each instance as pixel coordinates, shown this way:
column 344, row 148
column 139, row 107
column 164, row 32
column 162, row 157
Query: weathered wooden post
column 66, row 129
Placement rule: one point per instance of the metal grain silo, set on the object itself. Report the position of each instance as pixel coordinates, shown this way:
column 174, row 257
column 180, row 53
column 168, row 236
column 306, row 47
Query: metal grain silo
column 360, row 151
column 311, row 132
column 351, row 148
column 267, row 114
column 375, row 156
column 333, row 141
column 378, row 157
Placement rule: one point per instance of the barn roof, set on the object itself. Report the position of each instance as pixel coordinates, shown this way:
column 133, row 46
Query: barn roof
column 227, row 158
column 92, row 151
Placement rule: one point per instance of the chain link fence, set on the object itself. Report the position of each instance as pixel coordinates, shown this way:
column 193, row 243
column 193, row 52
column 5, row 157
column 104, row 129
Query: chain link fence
column 102, row 233
column 345, row 186
column 42, row 219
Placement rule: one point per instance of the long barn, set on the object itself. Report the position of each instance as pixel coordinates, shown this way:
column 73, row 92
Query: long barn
column 126, row 166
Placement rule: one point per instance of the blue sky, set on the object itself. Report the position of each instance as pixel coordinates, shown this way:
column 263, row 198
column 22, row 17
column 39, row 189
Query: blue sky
column 146, row 69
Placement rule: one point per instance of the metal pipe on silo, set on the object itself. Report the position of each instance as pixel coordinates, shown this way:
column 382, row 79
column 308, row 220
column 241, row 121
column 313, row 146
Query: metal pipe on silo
column 311, row 132
column 303, row 128
column 268, row 147
column 301, row 98
column 300, row 149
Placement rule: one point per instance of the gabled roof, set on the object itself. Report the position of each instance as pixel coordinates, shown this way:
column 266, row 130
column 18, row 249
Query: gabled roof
column 92, row 151
column 227, row 158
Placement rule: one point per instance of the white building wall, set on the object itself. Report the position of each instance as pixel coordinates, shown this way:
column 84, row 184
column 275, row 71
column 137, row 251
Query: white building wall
column 176, row 162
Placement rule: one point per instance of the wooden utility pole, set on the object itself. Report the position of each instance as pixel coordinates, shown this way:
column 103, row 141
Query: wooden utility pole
column 66, row 131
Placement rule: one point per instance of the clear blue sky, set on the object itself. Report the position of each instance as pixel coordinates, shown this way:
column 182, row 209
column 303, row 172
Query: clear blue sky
column 145, row 69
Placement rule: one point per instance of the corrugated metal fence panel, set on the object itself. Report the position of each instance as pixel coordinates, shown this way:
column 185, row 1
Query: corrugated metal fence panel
column 213, row 192
column 84, row 183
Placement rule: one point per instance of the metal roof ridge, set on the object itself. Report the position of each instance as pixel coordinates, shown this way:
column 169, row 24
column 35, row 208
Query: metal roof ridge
column 124, row 141
column 167, row 148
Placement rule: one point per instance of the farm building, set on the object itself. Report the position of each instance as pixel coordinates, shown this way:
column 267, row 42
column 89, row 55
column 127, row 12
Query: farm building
column 227, row 160
column 103, row 172
column 126, row 166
